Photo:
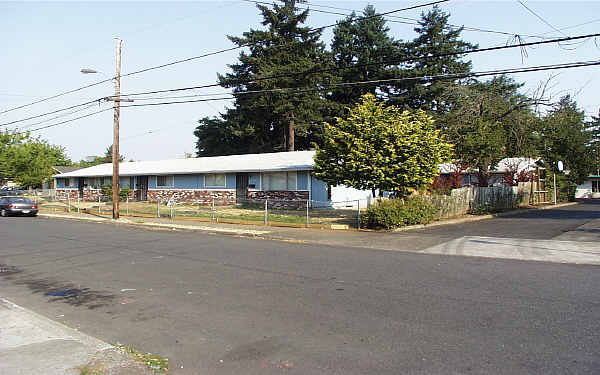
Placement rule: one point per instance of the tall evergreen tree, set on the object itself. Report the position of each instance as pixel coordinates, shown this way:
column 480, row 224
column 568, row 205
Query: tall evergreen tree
column 361, row 44
column 278, row 120
column 435, row 37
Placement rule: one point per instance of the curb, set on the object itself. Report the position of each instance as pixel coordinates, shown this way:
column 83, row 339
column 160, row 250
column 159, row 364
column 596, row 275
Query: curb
column 243, row 232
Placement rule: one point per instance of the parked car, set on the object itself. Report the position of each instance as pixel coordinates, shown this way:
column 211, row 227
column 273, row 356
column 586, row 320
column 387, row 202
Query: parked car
column 17, row 206
column 11, row 191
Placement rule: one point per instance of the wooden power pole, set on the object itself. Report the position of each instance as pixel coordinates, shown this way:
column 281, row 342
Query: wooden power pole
column 115, row 145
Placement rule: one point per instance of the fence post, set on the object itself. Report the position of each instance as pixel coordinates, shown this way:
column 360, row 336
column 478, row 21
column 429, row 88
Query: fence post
column 78, row 205
column 358, row 216
column 212, row 210
column 172, row 204
column 69, row 202
column 157, row 207
column 127, row 205
column 266, row 211
column 99, row 207
column 307, row 215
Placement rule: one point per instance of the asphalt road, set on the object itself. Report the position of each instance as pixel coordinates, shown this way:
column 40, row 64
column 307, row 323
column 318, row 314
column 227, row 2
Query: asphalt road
column 225, row 305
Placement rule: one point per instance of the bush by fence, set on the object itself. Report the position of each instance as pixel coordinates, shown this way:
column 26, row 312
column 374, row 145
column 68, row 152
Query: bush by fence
column 394, row 213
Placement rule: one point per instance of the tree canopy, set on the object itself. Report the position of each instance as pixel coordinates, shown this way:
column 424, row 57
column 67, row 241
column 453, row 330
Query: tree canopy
column 275, row 120
column 381, row 147
column 26, row 160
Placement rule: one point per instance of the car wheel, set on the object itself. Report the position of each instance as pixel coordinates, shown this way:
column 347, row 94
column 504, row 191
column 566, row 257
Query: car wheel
column 3, row 213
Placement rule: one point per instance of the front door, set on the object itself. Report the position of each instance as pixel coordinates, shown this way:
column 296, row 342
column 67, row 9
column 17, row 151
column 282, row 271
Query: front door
column 241, row 187
column 141, row 193
column 80, row 187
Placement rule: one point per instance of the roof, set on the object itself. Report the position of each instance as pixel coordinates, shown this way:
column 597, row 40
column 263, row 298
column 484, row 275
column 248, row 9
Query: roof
column 278, row 161
column 65, row 169
column 504, row 165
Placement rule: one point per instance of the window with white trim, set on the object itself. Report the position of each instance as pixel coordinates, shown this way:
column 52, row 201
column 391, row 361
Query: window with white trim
column 69, row 182
column 279, row 181
column 164, row 181
column 215, row 180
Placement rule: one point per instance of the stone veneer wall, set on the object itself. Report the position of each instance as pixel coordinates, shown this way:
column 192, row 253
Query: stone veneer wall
column 67, row 194
column 282, row 199
column 204, row 197
column 280, row 195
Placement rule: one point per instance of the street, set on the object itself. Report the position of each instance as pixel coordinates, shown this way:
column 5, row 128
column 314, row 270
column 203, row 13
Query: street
column 217, row 304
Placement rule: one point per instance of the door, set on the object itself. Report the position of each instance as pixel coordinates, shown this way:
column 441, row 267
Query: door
column 241, row 187
column 80, row 183
column 141, row 193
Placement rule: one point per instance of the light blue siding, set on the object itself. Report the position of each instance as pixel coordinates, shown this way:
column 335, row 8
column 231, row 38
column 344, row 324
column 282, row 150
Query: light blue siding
column 151, row 182
column 302, row 180
column 187, row 181
column 230, row 181
column 254, row 179
column 318, row 190
column 124, row 182
column 60, row 182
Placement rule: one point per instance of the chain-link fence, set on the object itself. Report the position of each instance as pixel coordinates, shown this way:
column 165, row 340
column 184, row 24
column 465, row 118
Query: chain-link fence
column 292, row 213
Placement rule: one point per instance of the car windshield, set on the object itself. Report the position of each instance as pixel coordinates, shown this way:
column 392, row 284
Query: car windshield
column 19, row 200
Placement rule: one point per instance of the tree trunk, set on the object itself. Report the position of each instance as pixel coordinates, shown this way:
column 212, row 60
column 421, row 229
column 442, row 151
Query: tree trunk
column 291, row 135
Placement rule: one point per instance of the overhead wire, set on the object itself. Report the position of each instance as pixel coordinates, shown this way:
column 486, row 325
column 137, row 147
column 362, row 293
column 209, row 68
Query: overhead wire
column 406, row 20
column 57, row 117
column 540, row 17
column 71, row 120
column 394, row 62
column 477, row 50
column 429, row 78
column 389, row 80
column 50, row 113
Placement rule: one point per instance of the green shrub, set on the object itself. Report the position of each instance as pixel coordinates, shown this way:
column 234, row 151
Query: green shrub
column 484, row 209
column 107, row 192
column 124, row 193
column 395, row 213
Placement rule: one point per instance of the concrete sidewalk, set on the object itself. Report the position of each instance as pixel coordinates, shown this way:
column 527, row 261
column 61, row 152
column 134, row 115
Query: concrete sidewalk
column 33, row 344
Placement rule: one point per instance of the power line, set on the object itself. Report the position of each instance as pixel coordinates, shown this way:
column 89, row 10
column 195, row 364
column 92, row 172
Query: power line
column 396, row 62
column 195, row 58
column 55, row 96
column 540, row 17
column 57, row 117
column 71, row 120
column 521, row 45
column 50, row 113
column 413, row 21
column 370, row 82
column 433, row 77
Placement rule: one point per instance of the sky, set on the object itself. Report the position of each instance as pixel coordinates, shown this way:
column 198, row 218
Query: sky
column 46, row 44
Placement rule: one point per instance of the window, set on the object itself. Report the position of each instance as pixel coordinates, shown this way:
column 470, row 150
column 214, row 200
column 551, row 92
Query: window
column 164, row 181
column 595, row 186
column 279, row 181
column 68, row 182
column 107, row 181
column 214, row 180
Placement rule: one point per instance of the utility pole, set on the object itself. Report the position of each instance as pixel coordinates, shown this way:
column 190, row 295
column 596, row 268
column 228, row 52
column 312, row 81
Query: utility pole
column 115, row 145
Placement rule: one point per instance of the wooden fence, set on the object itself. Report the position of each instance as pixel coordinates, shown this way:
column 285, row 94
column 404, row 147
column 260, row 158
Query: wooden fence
column 461, row 201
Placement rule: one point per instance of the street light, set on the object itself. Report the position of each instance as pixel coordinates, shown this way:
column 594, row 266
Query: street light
column 88, row 71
